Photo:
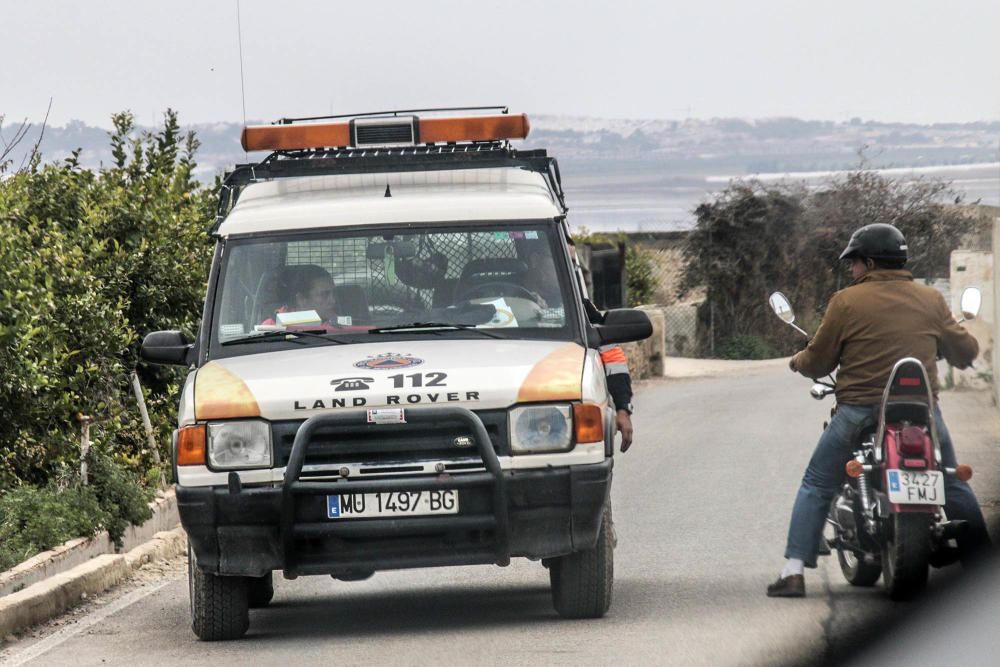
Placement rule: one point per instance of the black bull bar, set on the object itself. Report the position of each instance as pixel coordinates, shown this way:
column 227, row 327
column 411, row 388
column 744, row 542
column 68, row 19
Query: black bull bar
column 293, row 487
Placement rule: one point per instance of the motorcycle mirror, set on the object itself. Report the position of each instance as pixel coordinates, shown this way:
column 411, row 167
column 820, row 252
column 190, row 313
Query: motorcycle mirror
column 782, row 307
column 972, row 300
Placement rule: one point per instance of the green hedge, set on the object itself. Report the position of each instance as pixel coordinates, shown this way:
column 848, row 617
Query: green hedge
column 90, row 261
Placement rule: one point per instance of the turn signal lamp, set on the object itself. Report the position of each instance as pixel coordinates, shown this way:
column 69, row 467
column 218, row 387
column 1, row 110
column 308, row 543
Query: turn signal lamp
column 963, row 472
column 854, row 468
column 588, row 422
column 385, row 132
column 191, row 445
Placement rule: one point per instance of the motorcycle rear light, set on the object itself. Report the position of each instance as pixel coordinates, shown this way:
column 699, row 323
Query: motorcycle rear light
column 914, row 463
column 909, row 382
column 913, row 440
column 854, row 468
column 963, row 472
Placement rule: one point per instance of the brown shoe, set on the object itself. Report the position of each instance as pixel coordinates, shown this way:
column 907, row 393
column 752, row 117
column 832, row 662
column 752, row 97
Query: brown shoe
column 793, row 586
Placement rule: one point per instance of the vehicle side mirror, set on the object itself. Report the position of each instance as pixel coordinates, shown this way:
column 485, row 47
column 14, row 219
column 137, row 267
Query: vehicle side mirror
column 166, row 347
column 972, row 301
column 782, row 307
column 624, row 325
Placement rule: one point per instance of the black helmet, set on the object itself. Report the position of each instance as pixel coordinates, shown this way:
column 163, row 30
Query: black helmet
column 880, row 242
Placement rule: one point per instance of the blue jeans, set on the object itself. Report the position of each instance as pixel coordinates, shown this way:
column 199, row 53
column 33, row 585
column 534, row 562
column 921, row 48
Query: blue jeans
column 825, row 475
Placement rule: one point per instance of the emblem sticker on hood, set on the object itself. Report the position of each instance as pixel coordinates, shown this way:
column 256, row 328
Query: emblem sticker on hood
column 388, row 361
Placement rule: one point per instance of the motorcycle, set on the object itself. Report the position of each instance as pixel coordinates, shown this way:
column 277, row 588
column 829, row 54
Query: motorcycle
column 887, row 518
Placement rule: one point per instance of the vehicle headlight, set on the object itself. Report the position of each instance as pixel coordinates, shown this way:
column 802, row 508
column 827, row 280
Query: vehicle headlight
column 542, row 428
column 245, row 444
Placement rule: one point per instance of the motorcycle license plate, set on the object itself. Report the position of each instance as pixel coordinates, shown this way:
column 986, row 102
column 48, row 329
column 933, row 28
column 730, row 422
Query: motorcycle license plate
column 392, row 504
column 915, row 487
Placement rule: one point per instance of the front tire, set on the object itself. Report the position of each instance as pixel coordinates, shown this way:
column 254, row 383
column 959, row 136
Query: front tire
column 582, row 582
column 906, row 554
column 219, row 605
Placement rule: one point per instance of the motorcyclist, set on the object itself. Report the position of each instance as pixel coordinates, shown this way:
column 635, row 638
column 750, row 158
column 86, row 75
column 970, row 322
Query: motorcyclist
column 880, row 318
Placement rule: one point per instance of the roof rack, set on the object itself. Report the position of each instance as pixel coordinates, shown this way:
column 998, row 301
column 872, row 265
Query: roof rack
column 327, row 161
column 502, row 108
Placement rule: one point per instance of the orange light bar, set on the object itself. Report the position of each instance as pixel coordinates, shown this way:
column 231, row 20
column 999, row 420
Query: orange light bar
column 963, row 472
column 293, row 137
column 588, row 422
column 854, row 468
column 473, row 128
column 428, row 131
column 191, row 445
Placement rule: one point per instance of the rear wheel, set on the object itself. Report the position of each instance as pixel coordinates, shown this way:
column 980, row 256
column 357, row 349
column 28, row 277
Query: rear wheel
column 582, row 582
column 219, row 605
column 906, row 554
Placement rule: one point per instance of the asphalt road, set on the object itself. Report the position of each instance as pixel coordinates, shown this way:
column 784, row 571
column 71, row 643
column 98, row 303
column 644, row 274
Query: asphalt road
column 701, row 505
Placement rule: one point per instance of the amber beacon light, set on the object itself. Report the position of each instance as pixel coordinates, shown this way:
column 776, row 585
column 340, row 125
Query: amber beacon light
column 385, row 131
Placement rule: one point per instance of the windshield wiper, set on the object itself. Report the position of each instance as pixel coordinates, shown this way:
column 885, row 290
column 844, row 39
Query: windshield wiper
column 282, row 335
column 434, row 326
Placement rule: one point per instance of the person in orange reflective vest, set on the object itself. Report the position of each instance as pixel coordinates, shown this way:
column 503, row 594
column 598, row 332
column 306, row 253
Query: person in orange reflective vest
column 543, row 283
column 619, row 379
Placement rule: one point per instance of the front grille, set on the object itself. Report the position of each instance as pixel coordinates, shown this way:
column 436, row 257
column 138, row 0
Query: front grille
column 390, row 444
column 382, row 134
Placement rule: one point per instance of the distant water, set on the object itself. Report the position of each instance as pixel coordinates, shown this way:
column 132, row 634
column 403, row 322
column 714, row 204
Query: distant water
column 658, row 199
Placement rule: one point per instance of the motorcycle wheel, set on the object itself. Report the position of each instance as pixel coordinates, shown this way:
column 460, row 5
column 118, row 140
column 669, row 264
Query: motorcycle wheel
column 905, row 554
column 856, row 570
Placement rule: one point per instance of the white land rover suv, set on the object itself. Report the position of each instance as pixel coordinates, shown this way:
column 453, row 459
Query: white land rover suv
column 394, row 368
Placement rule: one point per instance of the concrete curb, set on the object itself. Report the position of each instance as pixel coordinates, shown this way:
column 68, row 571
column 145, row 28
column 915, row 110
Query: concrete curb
column 75, row 552
column 46, row 599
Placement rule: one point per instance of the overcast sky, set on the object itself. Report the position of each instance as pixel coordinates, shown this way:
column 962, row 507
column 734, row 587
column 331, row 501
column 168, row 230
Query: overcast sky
column 894, row 60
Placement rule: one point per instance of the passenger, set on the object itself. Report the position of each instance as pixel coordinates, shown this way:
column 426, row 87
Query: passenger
column 540, row 279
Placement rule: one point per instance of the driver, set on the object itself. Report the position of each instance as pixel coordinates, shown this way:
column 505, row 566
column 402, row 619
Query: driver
column 310, row 287
column 880, row 318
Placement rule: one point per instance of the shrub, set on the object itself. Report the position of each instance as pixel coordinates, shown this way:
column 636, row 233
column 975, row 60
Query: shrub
column 34, row 519
column 747, row 347
column 640, row 278
column 754, row 238
column 639, row 275
column 89, row 263
column 120, row 492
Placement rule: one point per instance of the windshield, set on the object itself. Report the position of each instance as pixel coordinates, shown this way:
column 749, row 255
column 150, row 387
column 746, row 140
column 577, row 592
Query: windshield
column 500, row 280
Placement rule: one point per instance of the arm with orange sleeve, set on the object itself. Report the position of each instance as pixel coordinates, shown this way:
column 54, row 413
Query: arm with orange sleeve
column 618, row 378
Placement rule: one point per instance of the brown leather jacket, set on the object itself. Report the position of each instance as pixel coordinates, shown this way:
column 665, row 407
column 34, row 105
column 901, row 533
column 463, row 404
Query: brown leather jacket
column 880, row 318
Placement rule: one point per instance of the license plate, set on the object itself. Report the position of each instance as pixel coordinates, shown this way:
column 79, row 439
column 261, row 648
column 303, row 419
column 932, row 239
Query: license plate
column 915, row 487
column 391, row 503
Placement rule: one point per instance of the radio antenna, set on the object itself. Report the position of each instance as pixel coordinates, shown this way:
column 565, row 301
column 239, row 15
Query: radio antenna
column 243, row 88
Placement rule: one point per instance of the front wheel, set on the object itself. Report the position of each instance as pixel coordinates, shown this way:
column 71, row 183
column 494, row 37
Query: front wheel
column 219, row 605
column 906, row 554
column 582, row 582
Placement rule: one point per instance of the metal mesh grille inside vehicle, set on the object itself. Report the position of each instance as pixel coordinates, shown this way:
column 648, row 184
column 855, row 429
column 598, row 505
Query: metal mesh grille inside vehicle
column 375, row 135
column 347, row 263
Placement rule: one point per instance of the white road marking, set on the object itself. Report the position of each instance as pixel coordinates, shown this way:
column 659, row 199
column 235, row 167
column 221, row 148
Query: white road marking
column 57, row 638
